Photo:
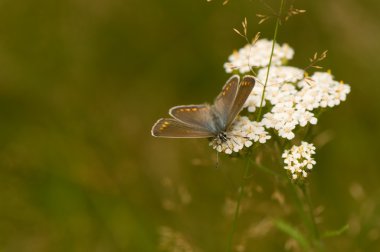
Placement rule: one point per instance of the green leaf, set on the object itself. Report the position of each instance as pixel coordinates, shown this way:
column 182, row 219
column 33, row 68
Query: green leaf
column 338, row 232
column 294, row 233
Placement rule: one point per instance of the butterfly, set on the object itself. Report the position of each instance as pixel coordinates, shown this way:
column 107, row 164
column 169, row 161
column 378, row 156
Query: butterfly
column 204, row 120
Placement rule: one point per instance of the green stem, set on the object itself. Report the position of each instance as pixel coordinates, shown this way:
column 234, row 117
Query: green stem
column 237, row 209
column 247, row 166
column 300, row 205
column 267, row 170
column 315, row 231
column 270, row 59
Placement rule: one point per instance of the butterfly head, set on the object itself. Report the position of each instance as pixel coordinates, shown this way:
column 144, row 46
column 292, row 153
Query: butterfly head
column 222, row 137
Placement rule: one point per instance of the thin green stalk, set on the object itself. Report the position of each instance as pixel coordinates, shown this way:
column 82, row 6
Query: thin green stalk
column 247, row 166
column 268, row 170
column 237, row 209
column 315, row 231
column 270, row 60
column 300, row 205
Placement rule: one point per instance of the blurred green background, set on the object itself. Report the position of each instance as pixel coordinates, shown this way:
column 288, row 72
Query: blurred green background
column 82, row 82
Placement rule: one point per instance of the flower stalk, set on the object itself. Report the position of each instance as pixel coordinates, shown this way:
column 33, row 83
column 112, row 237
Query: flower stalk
column 247, row 166
column 238, row 202
column 270, row 59
column 315, row 231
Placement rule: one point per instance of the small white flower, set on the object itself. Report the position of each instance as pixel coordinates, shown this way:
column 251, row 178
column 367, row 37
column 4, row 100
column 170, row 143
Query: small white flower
column 298, row 160
column 322, row 92
column 242, row 134
column 293, row 105
column 280, row 74
column 287, row 131
column 303, row 117
column 258, row 55
column 254, row 99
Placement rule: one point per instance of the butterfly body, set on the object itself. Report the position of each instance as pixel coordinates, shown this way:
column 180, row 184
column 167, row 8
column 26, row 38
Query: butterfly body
column 219, row 125
column 207, row 121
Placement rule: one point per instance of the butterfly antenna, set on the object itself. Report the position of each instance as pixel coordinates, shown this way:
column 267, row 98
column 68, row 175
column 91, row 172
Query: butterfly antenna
column 245, row 137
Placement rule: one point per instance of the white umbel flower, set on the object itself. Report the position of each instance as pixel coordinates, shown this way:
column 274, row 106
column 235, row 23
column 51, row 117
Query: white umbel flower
column 294, row 104
column 323, row 91
column 299, row 161
column 242, row 134
column 275, row 90
column 258, row 55
column 280, row 74
column 290, row 100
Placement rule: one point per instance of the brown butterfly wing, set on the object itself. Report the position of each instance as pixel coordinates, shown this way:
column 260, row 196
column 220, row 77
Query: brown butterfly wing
column 224, row 101
column 172, row 128
column 244, row 90
column 195, row 115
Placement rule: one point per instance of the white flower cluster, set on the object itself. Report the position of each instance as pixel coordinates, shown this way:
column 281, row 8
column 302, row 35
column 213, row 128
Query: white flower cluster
column 294, row 103
column 323, row 91
column 258, row 55
column 275, row 91
column 290, row 99
column 243, row 132
column 298, row 160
